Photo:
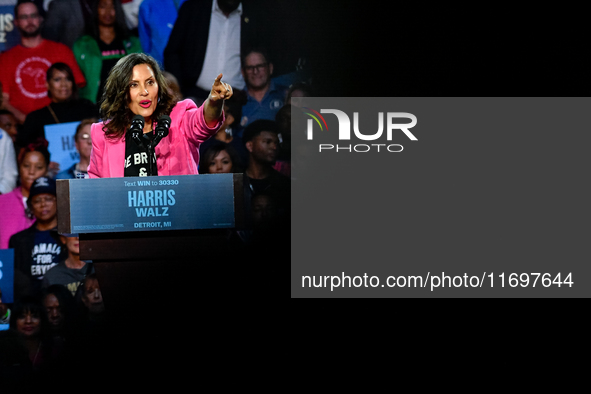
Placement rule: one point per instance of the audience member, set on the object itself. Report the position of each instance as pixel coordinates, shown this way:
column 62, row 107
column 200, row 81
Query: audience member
column 262, row 143
column 84, row 147
column 33, row 162
column 8, row 123
column 37, row 248
column 62, row 316
column 106, row 41
column 228, row 133
column 8, row 169
column 91, row 299
column 218, row 31
column 264, row 97
column 71, row 271
column 65, row 105
column 28, row 321
column 264, row 213
column 173, row 85
column 16, row 371
column 283, row 120
column 300, row 89
column 23, row 67
column 155, row 23
column 66, row 20
column 220, row 158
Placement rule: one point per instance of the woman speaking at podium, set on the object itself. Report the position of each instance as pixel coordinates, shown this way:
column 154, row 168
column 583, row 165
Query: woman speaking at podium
column 122, row 141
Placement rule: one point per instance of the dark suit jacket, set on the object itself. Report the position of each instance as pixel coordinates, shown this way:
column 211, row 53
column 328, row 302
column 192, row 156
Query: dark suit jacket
column 185, row 52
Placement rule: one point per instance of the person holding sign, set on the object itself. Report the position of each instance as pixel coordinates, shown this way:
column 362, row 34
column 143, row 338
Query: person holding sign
column 83, row 146
column 140, row 116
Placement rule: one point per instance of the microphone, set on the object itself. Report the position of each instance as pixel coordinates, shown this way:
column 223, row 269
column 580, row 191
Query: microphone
column 161, row 129
column 137, row 129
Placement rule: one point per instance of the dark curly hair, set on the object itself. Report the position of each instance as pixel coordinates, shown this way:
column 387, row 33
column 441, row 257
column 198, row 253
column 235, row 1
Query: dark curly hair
column 114, row 104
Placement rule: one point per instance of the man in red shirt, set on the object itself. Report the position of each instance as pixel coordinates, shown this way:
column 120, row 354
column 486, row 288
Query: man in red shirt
column 23, row 67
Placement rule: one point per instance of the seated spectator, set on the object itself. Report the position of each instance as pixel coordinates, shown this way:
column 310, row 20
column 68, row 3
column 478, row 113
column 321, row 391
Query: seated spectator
column 8, row 123
column 65, row 105
column 107, row 40
column 262, row 143
column 220, row 158
column 229, row 131
column 94, row 314
column 264, row 214
column 62, row 316
column 16, row 370
column 173, row 85
column 155, row 23
column 27, row 320
column 283, row 120
column 264, row 97
column 83, row 146
column 66, row 20
column 23, row 67
column 300, row 89
column 37, row 248
column 33, row 162
column 71, row 271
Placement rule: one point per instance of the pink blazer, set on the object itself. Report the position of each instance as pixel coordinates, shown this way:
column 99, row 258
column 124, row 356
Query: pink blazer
column 176, row 154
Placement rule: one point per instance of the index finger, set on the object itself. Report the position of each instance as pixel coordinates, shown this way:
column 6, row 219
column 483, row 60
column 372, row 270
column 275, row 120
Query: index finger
column 218, row 78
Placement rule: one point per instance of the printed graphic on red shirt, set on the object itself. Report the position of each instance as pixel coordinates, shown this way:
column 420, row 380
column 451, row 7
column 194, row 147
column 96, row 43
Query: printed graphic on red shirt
column 30, row 77
column 22, row 73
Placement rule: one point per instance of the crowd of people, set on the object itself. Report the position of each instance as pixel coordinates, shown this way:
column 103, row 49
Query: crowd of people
column 59, row 73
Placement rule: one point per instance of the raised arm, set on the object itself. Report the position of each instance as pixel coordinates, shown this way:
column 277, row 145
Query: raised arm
column 214, row 105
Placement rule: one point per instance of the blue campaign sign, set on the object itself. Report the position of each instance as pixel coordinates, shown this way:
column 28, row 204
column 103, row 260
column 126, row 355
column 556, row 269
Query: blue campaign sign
column 9, row 35
column 62, row 146
column 7, row 275
column 182, row 202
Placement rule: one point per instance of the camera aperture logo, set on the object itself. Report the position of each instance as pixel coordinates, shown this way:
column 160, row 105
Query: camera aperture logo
column 317, row 121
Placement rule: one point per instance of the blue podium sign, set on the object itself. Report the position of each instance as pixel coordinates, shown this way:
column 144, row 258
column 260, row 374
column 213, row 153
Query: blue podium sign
column 182, row 202
column 7, row 275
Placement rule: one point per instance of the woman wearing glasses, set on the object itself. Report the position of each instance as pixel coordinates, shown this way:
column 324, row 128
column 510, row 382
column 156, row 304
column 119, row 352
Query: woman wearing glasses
column 83, row 146
column 37, row 248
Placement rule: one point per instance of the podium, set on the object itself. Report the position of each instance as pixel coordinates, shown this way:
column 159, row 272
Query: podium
column 152, row 240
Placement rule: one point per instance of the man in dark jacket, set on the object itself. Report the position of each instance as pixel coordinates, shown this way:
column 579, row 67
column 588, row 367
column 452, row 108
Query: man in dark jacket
column 191, row 50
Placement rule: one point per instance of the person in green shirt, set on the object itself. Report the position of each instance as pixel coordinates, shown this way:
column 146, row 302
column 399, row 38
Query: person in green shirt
column 107, row 40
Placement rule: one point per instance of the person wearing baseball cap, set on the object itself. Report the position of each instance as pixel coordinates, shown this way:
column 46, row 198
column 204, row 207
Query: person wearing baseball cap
column 37, row 248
